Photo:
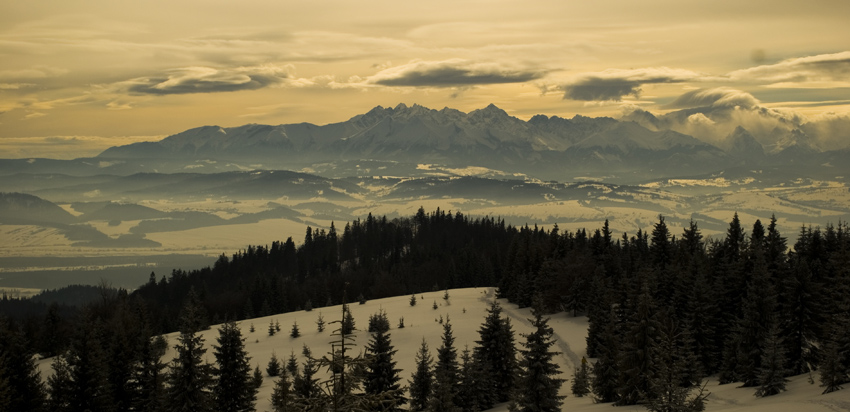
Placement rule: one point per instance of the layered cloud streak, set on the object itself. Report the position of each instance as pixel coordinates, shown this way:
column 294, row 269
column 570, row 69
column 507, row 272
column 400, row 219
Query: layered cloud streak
column 209, row 80
column 452, row 73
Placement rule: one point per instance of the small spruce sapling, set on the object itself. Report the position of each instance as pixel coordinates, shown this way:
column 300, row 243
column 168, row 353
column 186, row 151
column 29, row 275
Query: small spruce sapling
column 273, row 369
column 435, row 305
column 272, row 329
column 258, row 377
column 295, row 332
column 581, row 380
column 292, row 365
column 320, row 323
column 413, row 300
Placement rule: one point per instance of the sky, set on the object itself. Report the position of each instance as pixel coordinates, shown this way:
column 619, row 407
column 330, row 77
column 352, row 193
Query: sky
column 78, row 77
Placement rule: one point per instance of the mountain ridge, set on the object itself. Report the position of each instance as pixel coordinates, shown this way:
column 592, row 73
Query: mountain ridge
column 548, row 147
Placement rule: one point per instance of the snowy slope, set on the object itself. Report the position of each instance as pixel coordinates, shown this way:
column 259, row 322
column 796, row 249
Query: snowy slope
column 467, row 308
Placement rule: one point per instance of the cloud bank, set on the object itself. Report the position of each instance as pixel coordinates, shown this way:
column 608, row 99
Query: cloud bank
column 712, row 115
column 615, row 84
column 717, row 97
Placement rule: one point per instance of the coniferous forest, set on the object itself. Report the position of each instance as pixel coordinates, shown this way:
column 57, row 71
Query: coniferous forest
column 665, row 311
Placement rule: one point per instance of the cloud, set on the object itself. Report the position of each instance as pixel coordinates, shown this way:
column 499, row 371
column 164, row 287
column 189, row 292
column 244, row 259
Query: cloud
column 819, row 68
column 15, row 86
column 209, row 80
column 712, row 115
column 36, row 72
column 700, row 119
column 452, row 73
column 34, row 115
column 65, row 147
column 615, row 84
column 832, row 130
column 717, row 97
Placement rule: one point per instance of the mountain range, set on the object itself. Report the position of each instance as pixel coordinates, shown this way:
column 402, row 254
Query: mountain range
column 545, row 147
column 406, row 140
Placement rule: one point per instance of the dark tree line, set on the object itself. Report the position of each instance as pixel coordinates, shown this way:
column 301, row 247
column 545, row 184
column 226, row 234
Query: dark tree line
column 377, row 257
column 743, row 307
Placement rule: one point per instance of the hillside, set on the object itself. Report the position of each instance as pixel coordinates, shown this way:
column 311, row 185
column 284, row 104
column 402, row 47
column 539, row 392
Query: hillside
column 466, row 308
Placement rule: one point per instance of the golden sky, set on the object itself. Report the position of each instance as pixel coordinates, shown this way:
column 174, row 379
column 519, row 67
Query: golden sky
column 79, row 76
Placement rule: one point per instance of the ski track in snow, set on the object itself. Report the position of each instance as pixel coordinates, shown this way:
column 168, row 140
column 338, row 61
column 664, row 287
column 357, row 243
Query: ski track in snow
column 572, row 359
column 833, row 404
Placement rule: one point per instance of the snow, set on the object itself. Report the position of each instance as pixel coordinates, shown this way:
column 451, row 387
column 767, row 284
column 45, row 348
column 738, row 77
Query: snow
column 467, row 308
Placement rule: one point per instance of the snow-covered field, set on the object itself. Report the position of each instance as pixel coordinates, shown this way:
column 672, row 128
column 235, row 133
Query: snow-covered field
column 467, row 308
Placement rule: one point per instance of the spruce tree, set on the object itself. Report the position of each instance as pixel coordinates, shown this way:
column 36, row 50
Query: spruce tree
column 292, row 365
column 496, row 350
column 149, row 377
column 305, row 384
column 295, row 332
column 18, row 373
column 772, row 371
column 257, row 378
column 606, row 375
column 832, row 373
column 758, row 314
column 538, row 385
column 234, row 389
column 320, row 323
column 473, row 392
column 801, row 318
column 670, row 387
column 342, row 390
column 422, row 379
column 347, row 321
column 5, row 390
column 446, row 375
column 379, row 322
column 273, row 368
column 283, row 398
column 581, row 380
column 59, row 385
column 89, row 388
column 701, row 315
column 634, row 361
column 381, row 375
column 598, row 311
column 189, row 377
column 124, row 333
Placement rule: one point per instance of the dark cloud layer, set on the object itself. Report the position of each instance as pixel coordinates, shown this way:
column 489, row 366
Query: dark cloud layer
column 597, row 89
column 614, row 85
column 451, row 73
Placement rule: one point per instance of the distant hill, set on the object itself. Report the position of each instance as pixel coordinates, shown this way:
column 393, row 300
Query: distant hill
column 21, row 208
